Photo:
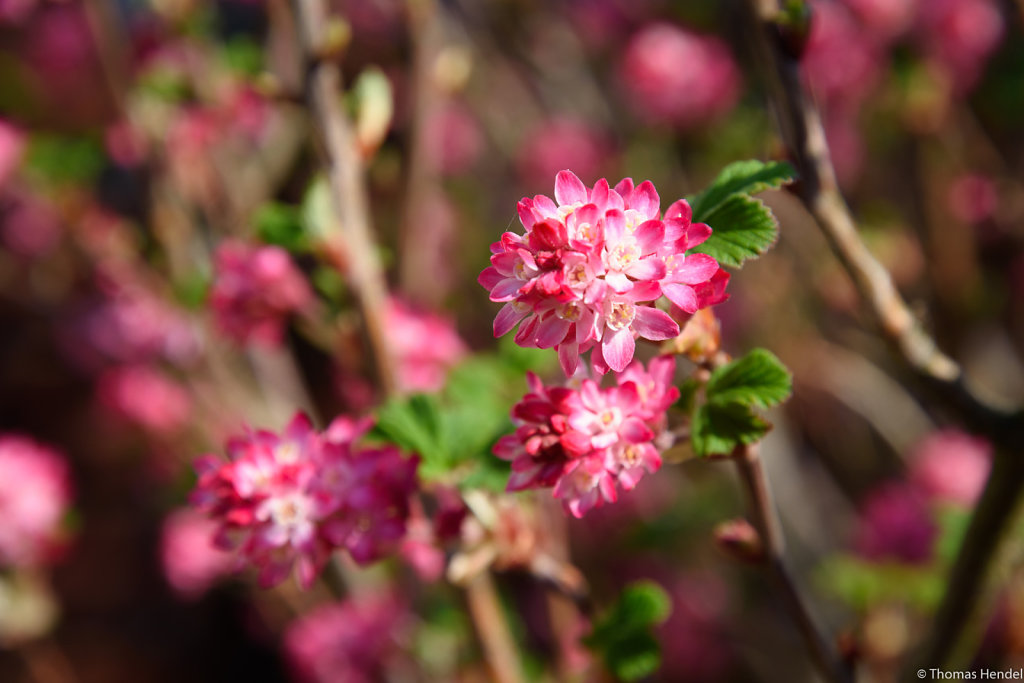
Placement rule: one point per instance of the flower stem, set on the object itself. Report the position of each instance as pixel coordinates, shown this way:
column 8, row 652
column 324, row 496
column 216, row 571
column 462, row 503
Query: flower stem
column 346, row 181
column 492, row 629
column 748, row 461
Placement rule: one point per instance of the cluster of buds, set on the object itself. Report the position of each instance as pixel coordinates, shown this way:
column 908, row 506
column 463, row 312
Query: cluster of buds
column 287, row 501
column 591, row 266
column 586, row 442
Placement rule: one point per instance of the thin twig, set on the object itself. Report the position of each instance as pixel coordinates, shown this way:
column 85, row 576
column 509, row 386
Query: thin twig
column 346, row 180
column 492, row 628
column 804, row 135
column 825, row 656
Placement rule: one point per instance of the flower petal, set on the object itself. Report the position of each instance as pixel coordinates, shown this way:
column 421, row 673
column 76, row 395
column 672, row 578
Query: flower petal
column 569, row 189
column 655, row 324
column 618, row 348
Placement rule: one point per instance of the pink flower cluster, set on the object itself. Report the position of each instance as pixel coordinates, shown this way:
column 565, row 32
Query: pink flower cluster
column 287, row 501
column 422, row 366
column 254, row 290
column 35, row 491
column 677, row 77
column 585, row 442
column 348, row 642
column 191, row 562
column 590, row 267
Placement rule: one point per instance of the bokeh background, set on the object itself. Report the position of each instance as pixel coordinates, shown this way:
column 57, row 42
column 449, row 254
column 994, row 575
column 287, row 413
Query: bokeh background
column 136, row 137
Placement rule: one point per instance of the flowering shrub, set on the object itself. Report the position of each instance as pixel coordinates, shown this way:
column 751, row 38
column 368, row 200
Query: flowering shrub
column 286, row 501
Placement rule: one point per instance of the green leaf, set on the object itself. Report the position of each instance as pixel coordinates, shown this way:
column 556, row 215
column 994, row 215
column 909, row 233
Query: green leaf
column 623, row 636
column 64, row 159
column 717, row 428
column 244, row 55
column 742, row 228
column 862, row 583
column 740, row 178
column 281, row 224
column 757, row 379
column 413, row 424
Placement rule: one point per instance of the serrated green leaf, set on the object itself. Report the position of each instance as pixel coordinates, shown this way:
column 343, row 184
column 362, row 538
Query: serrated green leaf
column 717, row 429
column 740, row 178
column 757, row 379
column 742, row 228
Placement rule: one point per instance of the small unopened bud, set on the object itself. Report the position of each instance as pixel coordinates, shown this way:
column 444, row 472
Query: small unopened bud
column 793, row 23
column 740, row 540
column 337, row 36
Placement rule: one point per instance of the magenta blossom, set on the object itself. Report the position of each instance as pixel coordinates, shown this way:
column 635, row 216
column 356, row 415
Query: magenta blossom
column 678, row 77
column 590, row 268
column 348, row 642
column 191, row 562
column 35, row 491
column 146, row 396
column 951, row 466
column 254, row 290
column 555, row 144
column 12, row 145
column 421, row 366
column 896, row 525
column 586, row 442
column 288, row 500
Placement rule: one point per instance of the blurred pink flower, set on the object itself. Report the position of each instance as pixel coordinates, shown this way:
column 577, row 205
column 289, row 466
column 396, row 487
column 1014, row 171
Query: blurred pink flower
column 951, row 466
column 424, row 345
column 958, row 37
column 191, row 562
column 453, row 139
column 255, row 289
column 131, row 325
column 12, row 145
column 15, row 11
column 35, row 491
column 895, row 525
column 29, row 226
column 286, row 501
column 347, row 642
column 973, row 198
column 842, row 61
column 678, row 77
column 562, row 143
column 885, row 18
column 145, row 396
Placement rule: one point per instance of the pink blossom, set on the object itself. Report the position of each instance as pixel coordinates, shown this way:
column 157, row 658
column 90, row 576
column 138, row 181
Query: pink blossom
column 842, row 60
column 951, row 466
column 453, row 139
column 287, row 501
column 678, row 77
column 591, row 266
column 29, row 226
column 557, row 143
column 191, row 562
column 958, row 37
column 973, row 198
column 896, row 524
column 348, row 642
column 132, row 324
column 255, row 289
column 886, row 18
column 586, row 442
column 421, row 366
column 12, row 145
column 35, row 491
column 145, row 396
